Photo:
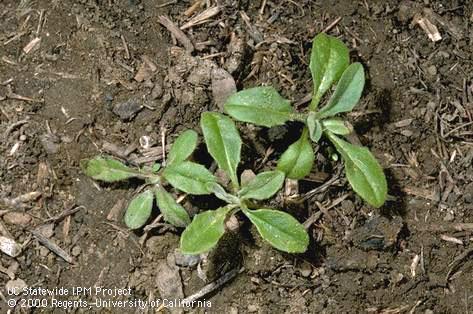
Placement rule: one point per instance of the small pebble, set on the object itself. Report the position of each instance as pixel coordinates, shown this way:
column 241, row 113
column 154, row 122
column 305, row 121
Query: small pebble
column 306, row 269
column 9, row 246
column 76, row 250
column 432, row 70
column 17, row 218
column 43, row 251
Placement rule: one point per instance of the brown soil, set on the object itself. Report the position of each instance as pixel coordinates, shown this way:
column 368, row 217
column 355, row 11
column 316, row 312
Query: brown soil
column 58, row 105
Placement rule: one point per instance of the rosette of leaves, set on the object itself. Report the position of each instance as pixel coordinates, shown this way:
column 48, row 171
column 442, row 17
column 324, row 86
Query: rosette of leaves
column 278, row 228
column 182, row 174
column 329, row 65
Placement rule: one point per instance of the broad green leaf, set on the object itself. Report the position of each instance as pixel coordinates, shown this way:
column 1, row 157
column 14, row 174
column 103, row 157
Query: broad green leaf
column 337, row 126
column 183, row 147
column 280, row 229
column 328, row 59
column 348, row 92
column 172, row 212
column 314, row 126
column 263, row 186
column 139, row 210
column 296, row 162
column 363, row 171
column 259, row 105
column 220, row 192
column 107, row 169
column 189, row 177
column 223, row 142
column 204, row 231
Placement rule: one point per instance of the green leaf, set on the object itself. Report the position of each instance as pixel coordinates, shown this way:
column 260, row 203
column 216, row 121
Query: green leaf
column 363, row 171
column 280, row 229
column 337, row 126
column 263, row 186
column 223, row 142
column 296, row 162
column 189, row 177
column 220, row 192
column 315, row 128
column 172, row 212
column 328, row 59
column 348, row 92
column 183, row 147
column 107, row 169
column 259, row 105
column 139, row 210
column 204, row 231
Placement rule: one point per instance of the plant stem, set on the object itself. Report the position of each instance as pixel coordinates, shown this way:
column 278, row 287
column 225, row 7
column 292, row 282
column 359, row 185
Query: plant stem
column 314, row 103
column 301, row 117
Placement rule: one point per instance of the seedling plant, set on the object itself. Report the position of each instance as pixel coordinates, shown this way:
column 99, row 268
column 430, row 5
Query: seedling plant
column 264, row 106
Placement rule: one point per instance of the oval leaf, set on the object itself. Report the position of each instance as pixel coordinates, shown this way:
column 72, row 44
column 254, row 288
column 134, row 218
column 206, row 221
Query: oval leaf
column 363, row 171
column 337, row 126
column 139, row 210
column 259, row 105
column 296, row 162
column 107, row 169
column 183, row 147
column 328, row 59
column 204, row 231
column 315, row 129
column 172, row 212
column 280, row 229
column 348, row 92
column 189, row 177
column 263, row 186
column 223, row 142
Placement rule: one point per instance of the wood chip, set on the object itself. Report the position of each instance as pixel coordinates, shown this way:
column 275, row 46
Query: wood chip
column 32, row 45
column 116, row 211
column 194, row 7
column 291, row 188
column 451, row 239
column 430, row 29
column 402, row 123
column 43, row 174
column 146, row 70
column 202, row 17
column 20, row 200
column 180, row 36
column 414, row 264
column 52, row 246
